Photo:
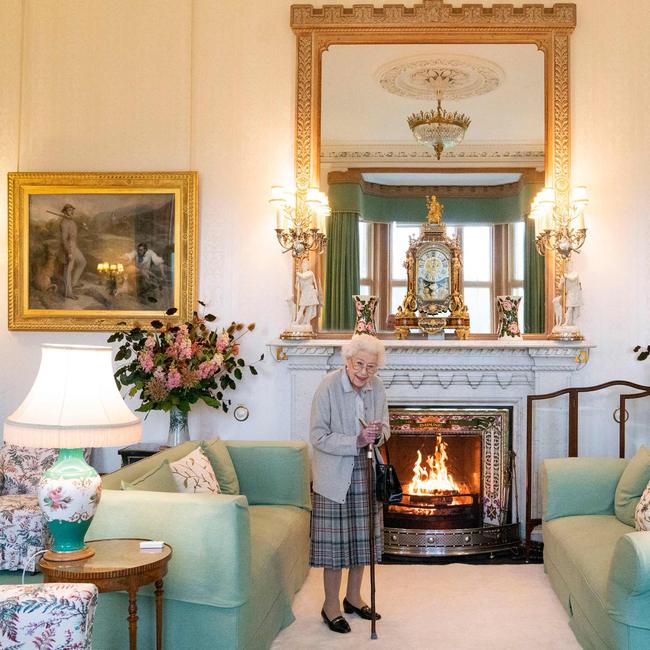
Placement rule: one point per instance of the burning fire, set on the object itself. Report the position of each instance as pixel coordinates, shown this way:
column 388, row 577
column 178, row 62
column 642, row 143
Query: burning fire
column 433, row 477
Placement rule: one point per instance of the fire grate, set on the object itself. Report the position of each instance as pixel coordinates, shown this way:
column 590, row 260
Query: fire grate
column 458, row 501
column 436, row 511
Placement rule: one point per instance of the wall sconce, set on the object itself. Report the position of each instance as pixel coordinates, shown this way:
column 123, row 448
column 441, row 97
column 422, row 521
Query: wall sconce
column 559, row 226
column 300, row 228
column 300, row 220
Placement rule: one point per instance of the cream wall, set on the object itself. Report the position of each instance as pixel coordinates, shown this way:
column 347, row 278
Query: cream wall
column 208, row 85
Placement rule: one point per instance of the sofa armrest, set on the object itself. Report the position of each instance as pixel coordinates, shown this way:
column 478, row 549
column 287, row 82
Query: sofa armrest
column 579, row 486
column 628, row 597
column 209, row 535
column 272, row 472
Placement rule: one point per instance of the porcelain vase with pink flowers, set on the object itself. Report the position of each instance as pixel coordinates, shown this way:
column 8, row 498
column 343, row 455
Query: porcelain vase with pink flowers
column 508, row 314
column 364, row 309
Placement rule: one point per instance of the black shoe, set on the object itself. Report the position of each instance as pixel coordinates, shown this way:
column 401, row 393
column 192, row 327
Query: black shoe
column 364, row 612
column 338, row 624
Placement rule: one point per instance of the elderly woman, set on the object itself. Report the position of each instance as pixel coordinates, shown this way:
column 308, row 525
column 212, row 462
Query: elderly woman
column 349, row 412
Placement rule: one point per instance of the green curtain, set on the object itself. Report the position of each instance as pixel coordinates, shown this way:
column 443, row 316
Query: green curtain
column 534, row 284
column 342, row 270
column 457, row 211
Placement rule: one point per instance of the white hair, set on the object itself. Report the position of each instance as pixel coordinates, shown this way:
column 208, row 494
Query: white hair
column 363, row 343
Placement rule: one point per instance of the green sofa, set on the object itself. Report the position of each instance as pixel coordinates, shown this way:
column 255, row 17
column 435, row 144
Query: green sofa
column 237, row 560
column 598, row 566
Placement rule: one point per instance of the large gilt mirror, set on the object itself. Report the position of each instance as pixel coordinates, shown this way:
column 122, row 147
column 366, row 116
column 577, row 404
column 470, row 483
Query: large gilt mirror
column 361, row 73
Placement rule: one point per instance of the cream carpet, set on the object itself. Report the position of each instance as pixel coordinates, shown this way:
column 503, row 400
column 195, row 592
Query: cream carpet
column 453, row 606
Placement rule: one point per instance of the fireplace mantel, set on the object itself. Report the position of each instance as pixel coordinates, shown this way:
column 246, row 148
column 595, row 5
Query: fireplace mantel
column 447, row 373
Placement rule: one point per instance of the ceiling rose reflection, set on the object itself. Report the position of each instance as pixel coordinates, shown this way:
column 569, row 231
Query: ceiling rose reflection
column 438, row 77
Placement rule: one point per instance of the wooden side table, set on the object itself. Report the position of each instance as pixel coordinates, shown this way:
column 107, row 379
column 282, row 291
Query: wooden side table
column 134, row 453
column 118, row 565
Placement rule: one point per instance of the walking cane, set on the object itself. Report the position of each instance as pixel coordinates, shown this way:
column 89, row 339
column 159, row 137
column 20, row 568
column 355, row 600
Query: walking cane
column 371, row 504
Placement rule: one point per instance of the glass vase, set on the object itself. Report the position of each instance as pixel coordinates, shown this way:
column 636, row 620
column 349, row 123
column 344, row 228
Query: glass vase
column 508, row 313
column 364, row 309
column 178, row 429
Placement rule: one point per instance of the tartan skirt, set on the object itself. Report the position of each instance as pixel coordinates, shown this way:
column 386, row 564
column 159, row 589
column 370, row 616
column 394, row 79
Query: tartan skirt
column 340, row 531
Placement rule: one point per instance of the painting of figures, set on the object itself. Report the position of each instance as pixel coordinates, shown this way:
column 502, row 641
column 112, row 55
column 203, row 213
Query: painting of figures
column 89, row 256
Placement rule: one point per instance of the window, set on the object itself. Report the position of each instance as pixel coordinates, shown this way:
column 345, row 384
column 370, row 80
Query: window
column 481, row 245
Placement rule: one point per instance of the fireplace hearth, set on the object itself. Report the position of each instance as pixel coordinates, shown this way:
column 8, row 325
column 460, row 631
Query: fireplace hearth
column 456, row 467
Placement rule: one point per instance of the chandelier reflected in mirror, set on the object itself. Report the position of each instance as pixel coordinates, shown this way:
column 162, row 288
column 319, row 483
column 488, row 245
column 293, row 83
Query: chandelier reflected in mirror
column 439, row 128
column 438, row 77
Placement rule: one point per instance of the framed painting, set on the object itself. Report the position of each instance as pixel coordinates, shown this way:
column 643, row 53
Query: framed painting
column 101, row 251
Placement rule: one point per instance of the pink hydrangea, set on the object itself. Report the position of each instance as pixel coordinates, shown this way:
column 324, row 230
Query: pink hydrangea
column 150, row 342
column 182, row 348
column 223, row 340
column 173, row 379
column 208, row 368
column 145, row 359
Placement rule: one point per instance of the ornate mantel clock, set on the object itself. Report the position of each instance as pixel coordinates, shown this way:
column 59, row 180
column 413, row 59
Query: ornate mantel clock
column 433, row 299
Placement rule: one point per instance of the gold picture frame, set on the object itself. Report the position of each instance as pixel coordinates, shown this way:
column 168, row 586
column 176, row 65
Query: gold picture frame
column 95, row 251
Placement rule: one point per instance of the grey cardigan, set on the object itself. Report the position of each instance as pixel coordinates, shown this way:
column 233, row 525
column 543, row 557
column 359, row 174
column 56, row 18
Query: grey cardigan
column 334, row 429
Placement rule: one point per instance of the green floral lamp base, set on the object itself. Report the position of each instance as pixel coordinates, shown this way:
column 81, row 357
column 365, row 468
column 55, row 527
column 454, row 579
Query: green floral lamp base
column 68, row 494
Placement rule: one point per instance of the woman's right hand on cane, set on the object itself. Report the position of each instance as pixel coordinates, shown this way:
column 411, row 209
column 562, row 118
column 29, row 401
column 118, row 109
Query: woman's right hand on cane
column 369, row 434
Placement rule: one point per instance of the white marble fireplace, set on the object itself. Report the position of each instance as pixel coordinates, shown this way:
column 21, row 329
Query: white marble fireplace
column 447, row 374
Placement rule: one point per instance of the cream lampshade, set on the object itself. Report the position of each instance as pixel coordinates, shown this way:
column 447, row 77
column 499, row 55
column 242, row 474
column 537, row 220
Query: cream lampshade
column 74, row 403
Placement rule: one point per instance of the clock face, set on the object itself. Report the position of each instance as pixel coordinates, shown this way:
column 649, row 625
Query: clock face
column 241, row 413
column 433, row 278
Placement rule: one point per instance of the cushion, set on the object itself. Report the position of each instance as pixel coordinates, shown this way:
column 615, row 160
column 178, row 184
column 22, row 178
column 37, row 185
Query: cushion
column 630, row 486
column 193, row 473
column 222, row 464
column 642, row 512
column 159, row 479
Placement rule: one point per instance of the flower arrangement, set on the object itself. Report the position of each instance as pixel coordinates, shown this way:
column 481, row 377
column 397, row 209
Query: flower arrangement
column 177, row 365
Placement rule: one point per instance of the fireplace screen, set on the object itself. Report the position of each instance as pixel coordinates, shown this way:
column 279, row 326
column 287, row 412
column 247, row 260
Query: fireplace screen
column 455, row 469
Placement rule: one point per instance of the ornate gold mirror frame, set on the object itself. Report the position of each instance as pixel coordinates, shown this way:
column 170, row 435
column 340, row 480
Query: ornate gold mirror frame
column 434, row 21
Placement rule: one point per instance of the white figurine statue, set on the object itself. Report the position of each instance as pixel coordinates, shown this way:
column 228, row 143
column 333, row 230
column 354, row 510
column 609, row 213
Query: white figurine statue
column 306, row 306
column 307, row 291
column 568, row 328
column 573, row 288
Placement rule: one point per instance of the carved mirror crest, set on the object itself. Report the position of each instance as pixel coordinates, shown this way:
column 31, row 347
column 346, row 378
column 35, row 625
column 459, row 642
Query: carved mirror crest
column 434, row 22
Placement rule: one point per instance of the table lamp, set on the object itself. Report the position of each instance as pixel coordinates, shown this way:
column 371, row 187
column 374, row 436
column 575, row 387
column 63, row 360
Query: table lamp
column 74, row 403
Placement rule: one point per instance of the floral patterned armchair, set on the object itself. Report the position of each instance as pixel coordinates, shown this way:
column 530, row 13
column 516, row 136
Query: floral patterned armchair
column 23, row 530
column 53, row 615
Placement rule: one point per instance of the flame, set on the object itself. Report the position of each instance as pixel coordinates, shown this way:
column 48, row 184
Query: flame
column 433, row 477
